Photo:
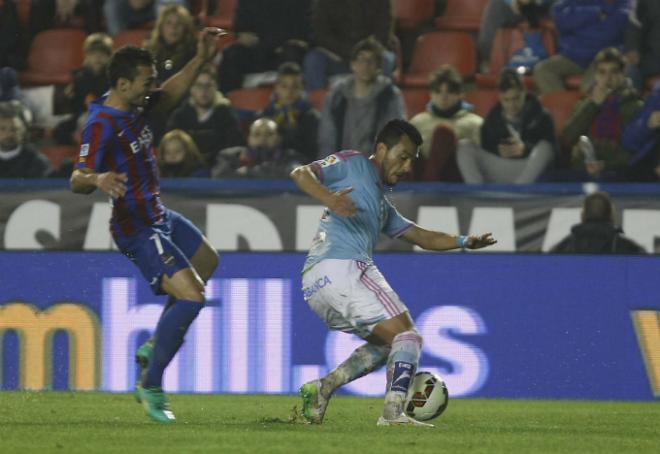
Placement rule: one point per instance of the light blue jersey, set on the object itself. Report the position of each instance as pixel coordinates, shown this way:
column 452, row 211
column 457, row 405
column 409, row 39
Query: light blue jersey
column 354, row 238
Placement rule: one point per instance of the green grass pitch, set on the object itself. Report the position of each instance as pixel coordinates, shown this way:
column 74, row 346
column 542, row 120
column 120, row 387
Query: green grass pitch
column 61, row 422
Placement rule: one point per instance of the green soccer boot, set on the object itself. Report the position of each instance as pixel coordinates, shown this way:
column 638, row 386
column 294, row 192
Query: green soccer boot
column 314, row 403
column 156, row 405
column 142, row 356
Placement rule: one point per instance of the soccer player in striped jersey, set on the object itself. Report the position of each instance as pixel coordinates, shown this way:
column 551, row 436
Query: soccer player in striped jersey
column 117, row 157
column 340, row 281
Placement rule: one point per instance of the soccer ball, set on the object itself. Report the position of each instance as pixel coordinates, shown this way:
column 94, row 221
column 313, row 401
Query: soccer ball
column 427, row 397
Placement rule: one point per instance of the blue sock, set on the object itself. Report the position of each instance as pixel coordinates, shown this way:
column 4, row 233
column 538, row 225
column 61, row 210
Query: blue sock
column 168, row 305
column 170, row 331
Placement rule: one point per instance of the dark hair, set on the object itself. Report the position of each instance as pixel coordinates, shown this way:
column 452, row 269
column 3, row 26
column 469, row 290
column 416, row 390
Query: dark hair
column 209, row 70
column 598, row 208
column 289, row 69
column 610, row 55
column 446, row 74
column 370, row 44
column 509, row 79
column 124, row 63
column 391, row 133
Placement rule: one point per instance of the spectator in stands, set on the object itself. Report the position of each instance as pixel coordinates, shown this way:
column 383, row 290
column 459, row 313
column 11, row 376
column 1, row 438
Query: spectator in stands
column 641, row 137
column 11, row 91
column 45, row 14
column 173, row 41
column 448, row 111
column 584, row 28
column 268, row 33
column 13, row 50
column 264, row 156
column 208, row 117
column 89, row 83
column 517, row 138
column 642, row 42
column 360, row 104
column 338, row 25
column 18, row 159
column 297, row 120
column 602, row 115
column 597, row 233
column 505, row 13
column 179, row 156
column 123, row 14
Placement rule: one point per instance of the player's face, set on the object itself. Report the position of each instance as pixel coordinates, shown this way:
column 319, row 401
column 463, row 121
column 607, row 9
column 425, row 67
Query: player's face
column 608, row 76
column 288, row 89
column 172, row 29
column 398, row 161
column 365, row 67
column 11, row 133
column 444, row 99
column 512, row 102
column 138, row 90
column 203, row 91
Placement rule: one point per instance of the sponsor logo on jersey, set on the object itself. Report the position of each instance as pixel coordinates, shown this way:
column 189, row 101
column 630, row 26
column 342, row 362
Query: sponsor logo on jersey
column 84, row 150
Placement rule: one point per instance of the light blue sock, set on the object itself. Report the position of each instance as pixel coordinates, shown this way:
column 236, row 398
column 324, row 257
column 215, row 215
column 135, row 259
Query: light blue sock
column 170, row 331
column 401, row 368
column 364, row 360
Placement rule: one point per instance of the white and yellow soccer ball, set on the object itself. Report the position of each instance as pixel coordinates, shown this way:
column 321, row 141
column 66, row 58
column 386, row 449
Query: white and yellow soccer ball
column 427, row 397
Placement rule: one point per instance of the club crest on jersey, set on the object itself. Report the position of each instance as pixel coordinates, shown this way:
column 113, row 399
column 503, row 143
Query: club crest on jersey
column 329, row 161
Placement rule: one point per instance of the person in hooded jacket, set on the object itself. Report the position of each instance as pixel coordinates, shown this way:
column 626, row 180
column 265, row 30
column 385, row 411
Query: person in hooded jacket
column 517, row 138
column 360, row 104
column 597, row 233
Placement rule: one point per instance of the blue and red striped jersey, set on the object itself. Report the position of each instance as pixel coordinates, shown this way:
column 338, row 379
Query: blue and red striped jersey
column 118, row 141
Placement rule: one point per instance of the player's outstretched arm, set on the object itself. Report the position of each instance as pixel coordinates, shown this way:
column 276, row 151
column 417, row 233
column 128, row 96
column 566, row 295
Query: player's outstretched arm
column 439, row 241
column 85, row 181
column 174, row 88
column 338, row 202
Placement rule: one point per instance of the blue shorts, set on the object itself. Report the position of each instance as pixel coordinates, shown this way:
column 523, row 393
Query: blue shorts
column 162, row 249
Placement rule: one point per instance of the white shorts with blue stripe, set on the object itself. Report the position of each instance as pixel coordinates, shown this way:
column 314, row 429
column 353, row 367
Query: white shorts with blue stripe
column 350, row 296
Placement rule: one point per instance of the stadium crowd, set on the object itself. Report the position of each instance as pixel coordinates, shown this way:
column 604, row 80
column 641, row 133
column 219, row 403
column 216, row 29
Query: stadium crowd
column 502, row 91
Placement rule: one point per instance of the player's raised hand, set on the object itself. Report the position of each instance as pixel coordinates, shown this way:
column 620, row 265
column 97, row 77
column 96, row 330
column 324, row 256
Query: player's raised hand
column 342, row 204
column 480, row 241
column 207, row 42
column 113, row 184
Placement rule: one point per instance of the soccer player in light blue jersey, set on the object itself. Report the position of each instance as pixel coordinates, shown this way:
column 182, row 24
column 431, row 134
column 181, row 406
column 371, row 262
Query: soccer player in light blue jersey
column 342, row 284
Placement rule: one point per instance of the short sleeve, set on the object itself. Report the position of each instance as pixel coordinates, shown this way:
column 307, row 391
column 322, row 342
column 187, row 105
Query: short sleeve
column 331, row 169
column 96, row 139
column 396, row 225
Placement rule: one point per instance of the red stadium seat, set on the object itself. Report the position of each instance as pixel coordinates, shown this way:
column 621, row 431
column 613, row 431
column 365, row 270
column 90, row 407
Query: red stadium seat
column 482, row 100
column 125, row 37
column 560, row 104
column 437, row 48
column 251, row 99
column 23, row 8
column 223, row 15
column 507, row 42
column 317, row 98
column 53, row 55
column 409, row 14
column 416, row 100
column 463, row 15
column 57, row 154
